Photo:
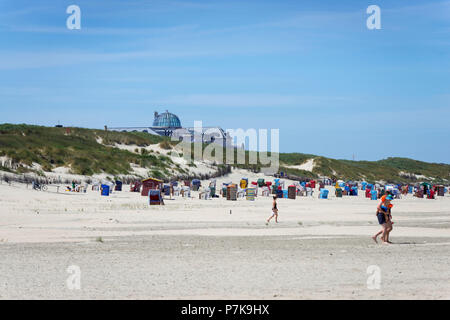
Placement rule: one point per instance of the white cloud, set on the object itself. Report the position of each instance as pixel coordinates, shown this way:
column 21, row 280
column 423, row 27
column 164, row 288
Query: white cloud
column 86, row 30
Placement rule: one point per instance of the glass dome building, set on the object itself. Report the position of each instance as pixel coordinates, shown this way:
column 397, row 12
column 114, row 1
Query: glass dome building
column 166, row 120
column 169, row 125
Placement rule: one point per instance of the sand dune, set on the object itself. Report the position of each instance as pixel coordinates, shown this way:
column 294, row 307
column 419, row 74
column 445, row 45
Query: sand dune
column 308, row 165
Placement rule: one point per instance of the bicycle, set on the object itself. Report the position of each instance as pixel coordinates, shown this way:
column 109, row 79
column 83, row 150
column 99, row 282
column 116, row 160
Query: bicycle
column 39, row 187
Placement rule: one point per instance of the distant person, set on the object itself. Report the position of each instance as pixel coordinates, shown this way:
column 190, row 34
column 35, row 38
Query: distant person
column 274, row 210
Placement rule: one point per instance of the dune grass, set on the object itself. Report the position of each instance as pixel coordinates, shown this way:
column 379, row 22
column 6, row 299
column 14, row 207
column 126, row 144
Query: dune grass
column 390, row 170
column 78, row 149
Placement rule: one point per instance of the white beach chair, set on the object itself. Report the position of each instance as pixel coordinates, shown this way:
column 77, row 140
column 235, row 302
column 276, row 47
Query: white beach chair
column 186, row 192
column 176, row 191
column 201, row 193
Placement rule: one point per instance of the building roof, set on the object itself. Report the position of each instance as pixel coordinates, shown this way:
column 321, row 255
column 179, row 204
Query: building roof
column 166, row 120
column 153, row 179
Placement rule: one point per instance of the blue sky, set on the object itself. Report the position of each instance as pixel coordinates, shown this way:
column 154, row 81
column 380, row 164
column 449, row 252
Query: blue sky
column 310, row 68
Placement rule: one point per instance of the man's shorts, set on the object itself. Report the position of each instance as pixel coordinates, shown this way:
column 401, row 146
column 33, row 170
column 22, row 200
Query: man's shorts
column 381, row 218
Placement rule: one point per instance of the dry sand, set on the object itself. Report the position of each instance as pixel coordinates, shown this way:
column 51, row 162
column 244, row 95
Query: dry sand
column 193, row 248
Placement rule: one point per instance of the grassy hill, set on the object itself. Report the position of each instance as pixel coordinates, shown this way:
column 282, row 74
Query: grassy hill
column 390, row 169
column 78, row 149
column 401, row 170
column 90, row 151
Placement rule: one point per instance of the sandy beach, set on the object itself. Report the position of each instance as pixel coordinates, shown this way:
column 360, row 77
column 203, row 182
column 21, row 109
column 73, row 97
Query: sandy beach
column 218, row 249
